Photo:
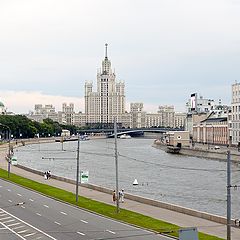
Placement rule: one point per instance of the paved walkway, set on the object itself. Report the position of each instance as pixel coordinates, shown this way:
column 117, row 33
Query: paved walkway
column 180, row 219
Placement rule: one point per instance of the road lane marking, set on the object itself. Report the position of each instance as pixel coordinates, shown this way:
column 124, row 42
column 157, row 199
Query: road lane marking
column 110, row 231
column 13, row 224
column 9, row 190
column 19, row 227
column 29, row 225
column 4, row 218
column 23, row 231
column 30, row 234
column 3, row 215
column 83, row 221
column 19, row 195
column 39, row 237
column 46, row 206
column 11, row 220
column 63, row 213
column 31, row 200
column 23, row 207
column 57, row 223
column 38, row 214
column 81, row 233
column 3, row 228
column 10, row 200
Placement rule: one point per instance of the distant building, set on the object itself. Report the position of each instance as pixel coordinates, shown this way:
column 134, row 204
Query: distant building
column 199, row 105
column 138, row 115
column 167, row 115
column 69, row 113
column 153, row 120
column 2, row 109
column 179, row 120
column 108, row 102
column 235, row 115
column 212, row 130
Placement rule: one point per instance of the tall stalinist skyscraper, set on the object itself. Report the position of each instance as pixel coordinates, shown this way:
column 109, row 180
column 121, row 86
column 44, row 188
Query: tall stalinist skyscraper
column 109, row 100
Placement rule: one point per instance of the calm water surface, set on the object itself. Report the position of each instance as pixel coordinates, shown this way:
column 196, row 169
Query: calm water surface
column 192, row 182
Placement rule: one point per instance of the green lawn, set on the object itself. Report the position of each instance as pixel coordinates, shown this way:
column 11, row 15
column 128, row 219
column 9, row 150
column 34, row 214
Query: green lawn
column 101, row 208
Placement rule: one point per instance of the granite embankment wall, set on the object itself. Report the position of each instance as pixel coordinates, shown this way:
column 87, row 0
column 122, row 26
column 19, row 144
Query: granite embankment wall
column 202, row 153
column 172, row 207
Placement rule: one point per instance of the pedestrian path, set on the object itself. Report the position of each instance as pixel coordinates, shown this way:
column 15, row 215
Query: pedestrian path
column 179, row 219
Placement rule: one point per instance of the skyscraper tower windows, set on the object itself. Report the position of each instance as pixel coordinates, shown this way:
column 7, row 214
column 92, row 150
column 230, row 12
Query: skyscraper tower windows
column 109, row 100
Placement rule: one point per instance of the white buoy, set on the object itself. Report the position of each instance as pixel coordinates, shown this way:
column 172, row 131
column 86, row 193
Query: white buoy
column 135, row 182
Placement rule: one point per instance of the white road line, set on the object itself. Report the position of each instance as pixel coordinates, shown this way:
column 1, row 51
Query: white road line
column 4, row 218
column 23, row 231
column 30, row 234
column 13, row 224
column 38, row 230
column 19, row 194
column 3, row 214
column 19, row 227
column 10, row 200
column 83, row 221
column 110, row 231
column 39, row 237
column 57, row 223
column 81, row 233
column 46, row 206
column 9, row 190
column 23, row 207
column 63, row 213
column 0, row 186
column 11, row 220
column 38, row 214
column 3, row 228
column 31, row 200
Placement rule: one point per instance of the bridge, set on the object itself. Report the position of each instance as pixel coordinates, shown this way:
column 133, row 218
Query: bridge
column 133, row 132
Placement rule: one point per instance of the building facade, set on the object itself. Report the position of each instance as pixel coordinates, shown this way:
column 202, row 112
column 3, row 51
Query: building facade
column 235, row 114
column 108, row 102
column 167, row 115
column 138, row 115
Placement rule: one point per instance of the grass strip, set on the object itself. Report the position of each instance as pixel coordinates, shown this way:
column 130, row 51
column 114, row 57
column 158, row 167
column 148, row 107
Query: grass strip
column 104, row 209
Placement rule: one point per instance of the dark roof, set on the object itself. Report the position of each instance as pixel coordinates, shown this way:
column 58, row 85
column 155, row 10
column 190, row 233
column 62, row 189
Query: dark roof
column 220, row 119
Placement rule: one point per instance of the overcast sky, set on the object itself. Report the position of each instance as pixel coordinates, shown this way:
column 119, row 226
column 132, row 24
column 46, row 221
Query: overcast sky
column 164, row 50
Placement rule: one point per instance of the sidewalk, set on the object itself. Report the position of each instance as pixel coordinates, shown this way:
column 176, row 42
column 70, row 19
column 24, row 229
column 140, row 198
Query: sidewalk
column 180, row 219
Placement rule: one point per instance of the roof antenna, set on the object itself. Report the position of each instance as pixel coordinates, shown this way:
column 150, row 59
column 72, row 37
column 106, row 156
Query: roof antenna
column 106, row 45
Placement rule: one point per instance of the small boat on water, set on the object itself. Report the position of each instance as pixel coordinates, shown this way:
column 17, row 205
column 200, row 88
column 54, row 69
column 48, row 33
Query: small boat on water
column 125, row 136
column 172, row 149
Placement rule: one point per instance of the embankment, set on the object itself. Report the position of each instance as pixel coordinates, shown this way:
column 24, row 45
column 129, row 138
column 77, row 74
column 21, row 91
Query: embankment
column 202, row 153
column 172, row 207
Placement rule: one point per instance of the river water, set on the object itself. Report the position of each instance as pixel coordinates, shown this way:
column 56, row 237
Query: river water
column 192, row 182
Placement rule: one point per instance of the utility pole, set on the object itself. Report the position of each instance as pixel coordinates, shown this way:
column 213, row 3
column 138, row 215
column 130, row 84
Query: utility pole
column 116, row 162
column 228, row 196
column 9, row 151
column 77, row 176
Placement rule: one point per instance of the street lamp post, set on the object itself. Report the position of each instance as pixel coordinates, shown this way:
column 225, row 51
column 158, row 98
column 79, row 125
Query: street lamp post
column 9, row 146
column 77, row 176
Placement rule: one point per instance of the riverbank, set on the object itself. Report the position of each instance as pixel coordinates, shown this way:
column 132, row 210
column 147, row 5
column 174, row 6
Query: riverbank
column 202, row 151
column 150, row 207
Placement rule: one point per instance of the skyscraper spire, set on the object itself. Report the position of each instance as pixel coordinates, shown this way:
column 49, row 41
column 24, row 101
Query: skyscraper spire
column 106, row 45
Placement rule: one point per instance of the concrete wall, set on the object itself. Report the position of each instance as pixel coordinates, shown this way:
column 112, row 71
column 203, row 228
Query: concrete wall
column 172, row 207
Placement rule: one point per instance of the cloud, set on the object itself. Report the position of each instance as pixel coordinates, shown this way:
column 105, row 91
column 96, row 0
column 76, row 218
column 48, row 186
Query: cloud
column 24, row 101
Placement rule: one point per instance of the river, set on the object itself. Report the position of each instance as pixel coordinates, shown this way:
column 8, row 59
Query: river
column 191, row 182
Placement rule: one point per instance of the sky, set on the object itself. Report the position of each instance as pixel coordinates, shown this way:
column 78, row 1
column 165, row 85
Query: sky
column 163, row 50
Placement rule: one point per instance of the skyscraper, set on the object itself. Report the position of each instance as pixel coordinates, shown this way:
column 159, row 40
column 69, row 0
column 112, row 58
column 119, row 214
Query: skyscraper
column 108, row 102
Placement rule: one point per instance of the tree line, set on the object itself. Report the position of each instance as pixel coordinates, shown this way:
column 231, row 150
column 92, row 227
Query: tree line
column 23, row 127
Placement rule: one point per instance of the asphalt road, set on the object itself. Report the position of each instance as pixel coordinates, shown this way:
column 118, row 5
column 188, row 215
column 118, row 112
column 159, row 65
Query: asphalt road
column 28, row 215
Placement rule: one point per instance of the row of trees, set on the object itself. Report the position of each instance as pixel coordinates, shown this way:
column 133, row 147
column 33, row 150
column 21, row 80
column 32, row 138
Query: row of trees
column 22, row 127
